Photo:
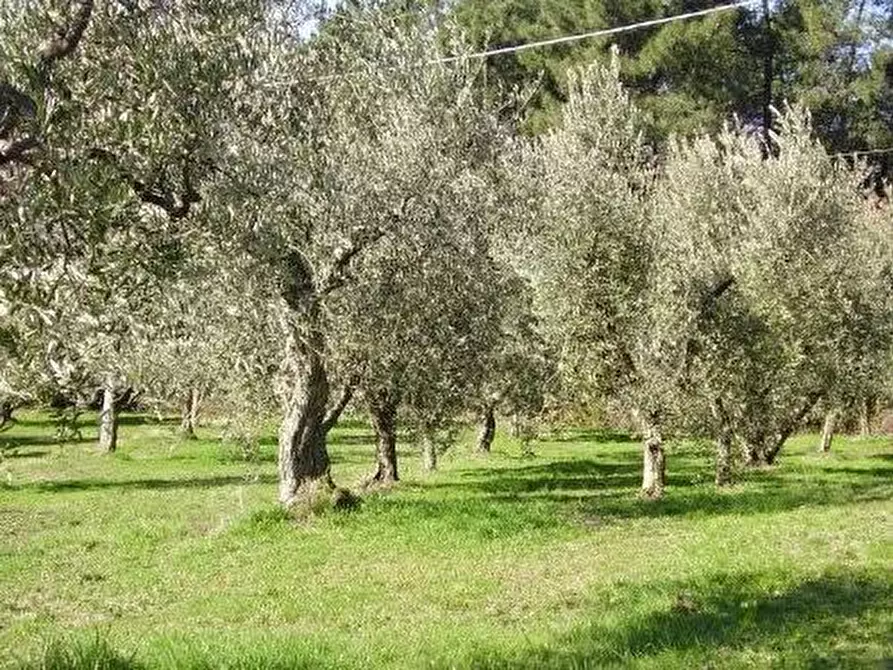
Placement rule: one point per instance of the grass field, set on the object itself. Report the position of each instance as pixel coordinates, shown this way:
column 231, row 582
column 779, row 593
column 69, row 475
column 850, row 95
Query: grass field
column 172, row 554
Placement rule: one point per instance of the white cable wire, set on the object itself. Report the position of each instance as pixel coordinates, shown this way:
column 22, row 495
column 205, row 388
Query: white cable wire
column 571, row 38
column 598, row 33
column 865, row 152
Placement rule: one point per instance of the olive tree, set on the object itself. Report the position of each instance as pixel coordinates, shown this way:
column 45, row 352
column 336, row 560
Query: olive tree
column 347, row 147
column 608, row 303
column 803, row 290
column 422, row 325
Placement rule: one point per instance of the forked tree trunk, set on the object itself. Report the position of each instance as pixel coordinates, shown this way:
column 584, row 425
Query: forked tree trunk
column 429, row 451
column 488, row 429
column 383, row 415
column 303, row 458
column 767, row 451
column 828, row 431
column 515, row 426
column 189, row 416
column 108, row 419
column 654, row 461
column 866, row 410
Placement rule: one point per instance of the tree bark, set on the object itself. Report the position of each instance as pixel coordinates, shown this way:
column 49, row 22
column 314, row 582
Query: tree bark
column 189, row 416
column 304, row 465
column 828, row 431
column 723, row 445
column 6, row 410
column 108, row 419
column 429, row 452
column 789, row 425
column 488, row 429
column 866, row 410
column 383, row 413
column 334, row 414
column 654, row 461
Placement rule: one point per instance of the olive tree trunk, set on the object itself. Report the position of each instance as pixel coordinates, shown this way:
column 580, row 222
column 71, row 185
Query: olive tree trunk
column 429, row 451
column 383, row 413
column 654, row 461
column 189, row 415
column 764, row 449
column 724, row 439
column 488, row 429
column 866, row 411
column 108, row 419
column 828, row 431
column 303, row 457
column 6, row 410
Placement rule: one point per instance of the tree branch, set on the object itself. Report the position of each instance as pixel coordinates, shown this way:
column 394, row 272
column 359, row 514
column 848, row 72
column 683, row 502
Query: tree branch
column 176, row 206
column 790, row 425
column 337, row 275
column 17, row 151
column 335, row 412
column 67, row 37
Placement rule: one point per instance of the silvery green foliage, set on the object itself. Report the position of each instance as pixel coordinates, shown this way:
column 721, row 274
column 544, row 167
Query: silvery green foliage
column 587, row 249
column 365, row 155
column 211, row 334
column 805, row 282
column 121, row 126
column 521, row 376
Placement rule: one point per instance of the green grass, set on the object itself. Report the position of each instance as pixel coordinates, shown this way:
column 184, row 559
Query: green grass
column 171, row 554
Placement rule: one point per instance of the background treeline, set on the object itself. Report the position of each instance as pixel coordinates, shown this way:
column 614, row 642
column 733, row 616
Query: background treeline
column 214, row 207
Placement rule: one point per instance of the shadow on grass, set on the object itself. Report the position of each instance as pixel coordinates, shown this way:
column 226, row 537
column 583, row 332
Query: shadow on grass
column 338, row 438
column 14, row 453
column 22, row 441
column 67, row 485
column 814, row 624
column 590, row 493
column 596, row 435
column 147, row 420
column 576, row 475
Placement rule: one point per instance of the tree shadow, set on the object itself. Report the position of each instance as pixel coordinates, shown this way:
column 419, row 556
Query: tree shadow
column 24, row 441
column 68, row 485
column 577, row 475
column 14, row 453
column 728, row 612
column 147, row 420
column 340, row 439
column 596, row 435
column 594, row 493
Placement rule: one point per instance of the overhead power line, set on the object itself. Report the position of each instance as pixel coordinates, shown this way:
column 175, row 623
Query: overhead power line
column 480, row 55
column 598, row 33
column 865, row 152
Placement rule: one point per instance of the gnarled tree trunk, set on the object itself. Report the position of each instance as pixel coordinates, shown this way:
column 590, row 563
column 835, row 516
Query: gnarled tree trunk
column 189, row 414
column 828, row 430
column 654, row 460
column 108, row 419
column 488, row 429
column 764, row 448
column 383, row 413
column 303, row 457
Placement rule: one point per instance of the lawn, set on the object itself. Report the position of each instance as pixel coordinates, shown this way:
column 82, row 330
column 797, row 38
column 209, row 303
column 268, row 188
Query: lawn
column 172, row 554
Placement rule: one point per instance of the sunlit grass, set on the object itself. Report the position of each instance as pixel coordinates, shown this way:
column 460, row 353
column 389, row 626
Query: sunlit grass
column 173, row 554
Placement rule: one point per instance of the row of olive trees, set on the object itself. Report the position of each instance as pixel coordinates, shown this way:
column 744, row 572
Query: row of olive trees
column 724, row 287
column 200, row 204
